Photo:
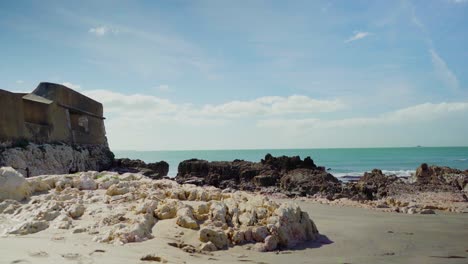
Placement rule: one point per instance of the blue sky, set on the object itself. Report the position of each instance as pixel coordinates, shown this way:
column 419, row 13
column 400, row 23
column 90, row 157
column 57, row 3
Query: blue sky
column 251, row 74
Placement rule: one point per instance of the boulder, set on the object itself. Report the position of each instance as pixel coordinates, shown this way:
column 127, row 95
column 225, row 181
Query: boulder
column 76, row 211
column 215, row 236
column 13, row 185
column 186, row 219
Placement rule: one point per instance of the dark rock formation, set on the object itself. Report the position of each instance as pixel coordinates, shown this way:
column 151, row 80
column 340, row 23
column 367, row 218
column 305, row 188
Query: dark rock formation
column 441, row 177
column 291, row 174
column 309, row 182
column 156, row 170
column 371, row 186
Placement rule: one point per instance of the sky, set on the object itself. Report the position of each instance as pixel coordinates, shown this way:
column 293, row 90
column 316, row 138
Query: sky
column 217, row 74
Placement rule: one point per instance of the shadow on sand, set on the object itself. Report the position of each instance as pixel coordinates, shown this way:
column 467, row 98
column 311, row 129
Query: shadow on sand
column 319, row 242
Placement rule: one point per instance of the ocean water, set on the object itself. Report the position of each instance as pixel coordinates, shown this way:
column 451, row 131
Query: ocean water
column 342, row 162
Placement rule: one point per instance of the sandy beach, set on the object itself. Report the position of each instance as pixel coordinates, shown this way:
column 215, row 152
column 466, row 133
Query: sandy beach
column 349, row 235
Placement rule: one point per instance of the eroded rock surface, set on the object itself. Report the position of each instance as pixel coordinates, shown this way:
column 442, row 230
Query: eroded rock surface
column 125, row 208
column 33, row 159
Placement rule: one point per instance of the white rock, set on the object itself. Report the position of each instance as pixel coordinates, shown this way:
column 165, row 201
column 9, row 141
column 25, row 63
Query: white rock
column 208, row 246
column 216, row 236
column 76, row 210
column 13, row 185
column 186, row 219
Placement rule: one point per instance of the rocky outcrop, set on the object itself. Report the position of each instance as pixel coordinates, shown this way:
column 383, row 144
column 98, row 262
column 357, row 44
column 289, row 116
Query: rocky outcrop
column 289, row 174
column 309, row 182
column 218, row 219
column 437, row 176
column 371, row 186
column 32, row 159
column 156, row 170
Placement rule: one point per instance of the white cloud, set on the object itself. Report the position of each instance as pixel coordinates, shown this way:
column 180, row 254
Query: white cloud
column 357, row 36
column 72, row 86
column 20, row 82
column 443, row 72
column 146, row 122
column 421, row 113
column 459, row 1
column 102, row 30
column 273, row 105
column 137, row 104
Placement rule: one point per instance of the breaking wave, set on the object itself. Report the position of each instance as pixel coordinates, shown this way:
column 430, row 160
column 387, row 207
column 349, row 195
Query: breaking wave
column 398, row 173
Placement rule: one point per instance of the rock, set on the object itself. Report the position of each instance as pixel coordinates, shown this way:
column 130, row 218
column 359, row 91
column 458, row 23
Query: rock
column 79, row 230
column 259, row 233
column 438, row 177
column 310, row 182
column 29, row 227
column 293, row 225
column 186, row 219
column 13, row 185
column 271, row 243
column 155, row 170
column 217, row 237
column 76, row 211
column 45, row 159
column 166, row 210
column 240, row 174
column 117, row 189
column 427, row 211
column 208, row 246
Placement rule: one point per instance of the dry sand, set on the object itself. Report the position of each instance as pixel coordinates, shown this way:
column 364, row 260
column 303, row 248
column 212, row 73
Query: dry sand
column 350, row 235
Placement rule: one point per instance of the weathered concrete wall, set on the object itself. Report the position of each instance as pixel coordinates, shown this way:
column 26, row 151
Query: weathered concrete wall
column 87, row 129
column 59, row 125
column 35, row 112
column 67, row 96
column 68, row 117
column 11, row 116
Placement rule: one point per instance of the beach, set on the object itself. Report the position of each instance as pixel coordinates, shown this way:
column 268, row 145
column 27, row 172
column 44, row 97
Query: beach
column 349, row 235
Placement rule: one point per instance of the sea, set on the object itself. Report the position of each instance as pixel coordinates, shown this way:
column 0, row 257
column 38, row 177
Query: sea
column 340, row 162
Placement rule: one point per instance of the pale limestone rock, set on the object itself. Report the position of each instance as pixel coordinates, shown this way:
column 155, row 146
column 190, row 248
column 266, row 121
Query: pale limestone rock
column 294, row 226
column 56, row 159
column 13, row 185
column 218, row 211
column 29, row 227
column 247, row 219
column 147, row 207
column 166, row 210
column 186, row 219
column 117, row 189
column 9, row 206
column 208, row 246
column 77, row 210
column 85, row 182
column 63, row 221
column 216, row 236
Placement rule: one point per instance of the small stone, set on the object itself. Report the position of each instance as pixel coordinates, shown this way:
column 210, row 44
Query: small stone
column 427, row 211
column 208, row 246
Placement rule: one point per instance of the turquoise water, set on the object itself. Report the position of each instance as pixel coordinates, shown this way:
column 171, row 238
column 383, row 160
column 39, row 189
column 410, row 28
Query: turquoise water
column 400, row 161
